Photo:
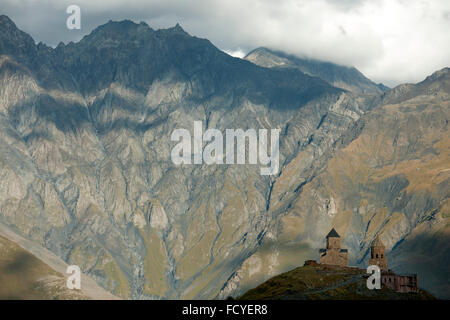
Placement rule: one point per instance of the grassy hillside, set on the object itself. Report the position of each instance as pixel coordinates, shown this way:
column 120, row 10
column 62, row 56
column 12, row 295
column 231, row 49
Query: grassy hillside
column 322, row 282
column 25, row 277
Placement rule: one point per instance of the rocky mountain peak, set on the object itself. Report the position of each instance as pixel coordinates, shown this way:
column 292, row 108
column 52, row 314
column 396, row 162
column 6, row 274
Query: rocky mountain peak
column 442, row 75
column 437, row 83
column 443, row 72
column 89, row 172
column 5, row 22
column 125, row 30
column 177, row 29
column 13, row 41
column 348, row 78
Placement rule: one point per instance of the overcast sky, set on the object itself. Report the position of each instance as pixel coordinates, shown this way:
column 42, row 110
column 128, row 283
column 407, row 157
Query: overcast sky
column 390, row 41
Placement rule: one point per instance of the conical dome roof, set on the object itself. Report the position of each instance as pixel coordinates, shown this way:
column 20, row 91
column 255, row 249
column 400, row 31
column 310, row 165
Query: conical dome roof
column 333, row 234
column 377, row 242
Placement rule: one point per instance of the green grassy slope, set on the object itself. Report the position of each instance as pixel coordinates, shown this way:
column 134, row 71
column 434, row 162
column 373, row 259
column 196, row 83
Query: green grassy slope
column 321, row 283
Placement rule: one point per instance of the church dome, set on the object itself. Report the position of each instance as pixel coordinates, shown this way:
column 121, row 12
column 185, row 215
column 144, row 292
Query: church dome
column 377, row 242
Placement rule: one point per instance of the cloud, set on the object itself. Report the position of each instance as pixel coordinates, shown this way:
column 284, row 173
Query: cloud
column 239, row 53
column 390, row 41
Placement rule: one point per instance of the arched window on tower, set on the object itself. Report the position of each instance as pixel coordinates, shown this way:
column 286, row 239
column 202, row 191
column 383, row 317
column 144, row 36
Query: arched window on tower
column 377, row 255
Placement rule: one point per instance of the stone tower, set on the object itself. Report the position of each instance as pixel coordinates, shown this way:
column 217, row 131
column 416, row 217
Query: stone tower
column 378, row 254
column 333, row 240
column 333, row 254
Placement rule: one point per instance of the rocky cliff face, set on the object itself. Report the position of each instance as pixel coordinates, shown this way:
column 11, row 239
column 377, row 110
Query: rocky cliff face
column 388, row 174
column 85, row 153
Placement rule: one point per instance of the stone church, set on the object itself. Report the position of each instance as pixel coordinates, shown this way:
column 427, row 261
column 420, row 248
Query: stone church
column 333, row 254
column 398, row 282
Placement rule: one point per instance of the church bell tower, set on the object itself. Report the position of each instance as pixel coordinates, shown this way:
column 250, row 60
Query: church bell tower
column 378, row 254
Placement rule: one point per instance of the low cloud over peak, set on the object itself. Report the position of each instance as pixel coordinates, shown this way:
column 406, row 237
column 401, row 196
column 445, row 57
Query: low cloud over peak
column 390, row 41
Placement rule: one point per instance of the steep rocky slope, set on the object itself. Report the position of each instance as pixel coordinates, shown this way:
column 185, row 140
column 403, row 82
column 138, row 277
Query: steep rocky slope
column 86, row 153
column 388, row 175
column 85, row 150
column 348, row 78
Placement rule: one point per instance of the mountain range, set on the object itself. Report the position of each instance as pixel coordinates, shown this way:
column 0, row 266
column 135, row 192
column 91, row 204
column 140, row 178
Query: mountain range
column 86, row 172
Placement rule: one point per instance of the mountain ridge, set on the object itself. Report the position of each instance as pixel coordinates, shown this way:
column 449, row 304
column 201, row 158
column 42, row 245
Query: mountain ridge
column 30, row 257
column 348, row 78
column 85, row 148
